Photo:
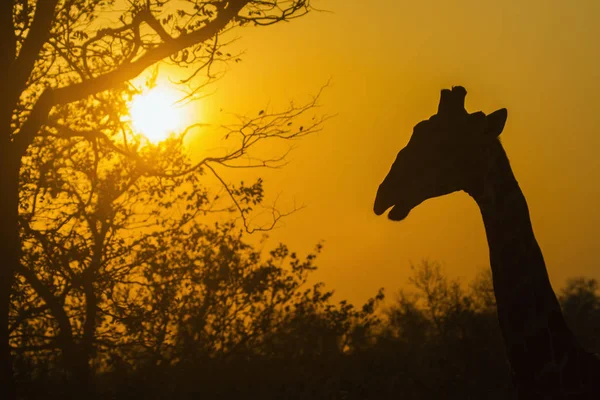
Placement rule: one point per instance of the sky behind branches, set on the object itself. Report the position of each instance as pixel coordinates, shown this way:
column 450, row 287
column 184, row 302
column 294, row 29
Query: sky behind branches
column 387, row 61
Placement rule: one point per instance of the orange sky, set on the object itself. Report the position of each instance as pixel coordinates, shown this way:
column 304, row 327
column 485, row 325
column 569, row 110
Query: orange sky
column 388, row 61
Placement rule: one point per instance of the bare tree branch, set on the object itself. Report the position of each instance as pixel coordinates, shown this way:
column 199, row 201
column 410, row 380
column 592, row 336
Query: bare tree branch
column 121, row 74
column 51, row 300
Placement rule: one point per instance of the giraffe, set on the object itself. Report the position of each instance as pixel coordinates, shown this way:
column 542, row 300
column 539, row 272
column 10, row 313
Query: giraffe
column 458, row 151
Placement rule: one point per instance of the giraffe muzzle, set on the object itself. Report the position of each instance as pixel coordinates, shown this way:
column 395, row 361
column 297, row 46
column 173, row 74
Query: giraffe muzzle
column 400, row 207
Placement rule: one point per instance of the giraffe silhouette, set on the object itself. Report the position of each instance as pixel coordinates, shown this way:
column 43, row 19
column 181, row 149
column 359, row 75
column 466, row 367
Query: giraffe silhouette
column 453, row 151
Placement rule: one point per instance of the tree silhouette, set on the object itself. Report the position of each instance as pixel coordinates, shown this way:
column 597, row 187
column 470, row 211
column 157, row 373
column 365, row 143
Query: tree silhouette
column 447, row 335
column 90, row 216
column 66, row 67
column 580, row 301
column 177, row 293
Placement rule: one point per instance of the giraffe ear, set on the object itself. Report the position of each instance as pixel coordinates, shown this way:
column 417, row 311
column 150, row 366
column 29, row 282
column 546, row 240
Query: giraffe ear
column 496, row 121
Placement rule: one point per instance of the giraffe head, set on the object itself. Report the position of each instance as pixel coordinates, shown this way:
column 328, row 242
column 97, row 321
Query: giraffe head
column 448, row 152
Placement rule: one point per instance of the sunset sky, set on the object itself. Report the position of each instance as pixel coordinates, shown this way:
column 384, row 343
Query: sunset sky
column 387, row 61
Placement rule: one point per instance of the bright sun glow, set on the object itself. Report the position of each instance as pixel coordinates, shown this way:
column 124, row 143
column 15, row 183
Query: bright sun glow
column 155, row 115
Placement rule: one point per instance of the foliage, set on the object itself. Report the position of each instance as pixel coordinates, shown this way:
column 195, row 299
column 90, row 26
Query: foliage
column 83, row 194
column 228, row 339
column 97, row 231
column 580, row 300
column 73, row 174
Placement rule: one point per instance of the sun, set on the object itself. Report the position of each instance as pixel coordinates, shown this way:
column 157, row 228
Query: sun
column 155, row 114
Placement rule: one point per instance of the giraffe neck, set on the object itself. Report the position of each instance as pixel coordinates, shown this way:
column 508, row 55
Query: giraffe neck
column 539, row 344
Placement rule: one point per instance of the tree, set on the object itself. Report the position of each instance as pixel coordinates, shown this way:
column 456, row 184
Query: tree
column 580, row 301
column 93, row 285
column 81, row 222
column 65, row 73
column 89, row 211
column 440, row 329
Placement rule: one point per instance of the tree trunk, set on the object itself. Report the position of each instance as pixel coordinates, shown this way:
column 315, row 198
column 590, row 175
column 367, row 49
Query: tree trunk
column 9, row 254
column 75, row 356
column 89, row 333
column 79, row 372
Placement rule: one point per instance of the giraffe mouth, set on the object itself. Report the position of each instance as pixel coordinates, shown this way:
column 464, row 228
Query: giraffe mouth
column 399, row 209
column 398, row 213
column 400, row 205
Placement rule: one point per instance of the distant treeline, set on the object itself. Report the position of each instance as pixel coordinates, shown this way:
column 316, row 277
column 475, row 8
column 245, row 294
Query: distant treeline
column 222, row 321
